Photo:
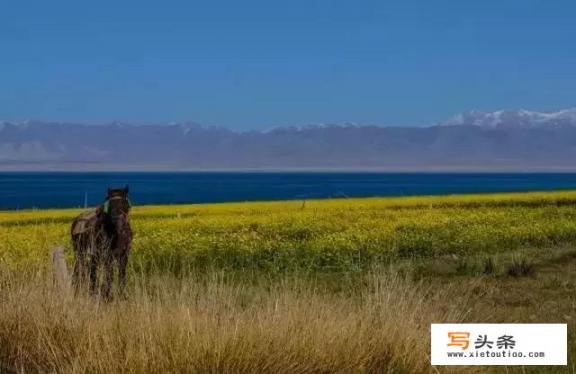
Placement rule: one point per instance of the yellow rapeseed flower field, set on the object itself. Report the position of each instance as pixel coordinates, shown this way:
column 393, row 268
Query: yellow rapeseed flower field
column 340, row 234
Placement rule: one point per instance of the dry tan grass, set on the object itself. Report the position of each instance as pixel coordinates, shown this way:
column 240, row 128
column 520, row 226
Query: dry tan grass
column 213, row 325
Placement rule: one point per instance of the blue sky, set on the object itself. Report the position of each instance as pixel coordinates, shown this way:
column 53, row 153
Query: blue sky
column 257, row 64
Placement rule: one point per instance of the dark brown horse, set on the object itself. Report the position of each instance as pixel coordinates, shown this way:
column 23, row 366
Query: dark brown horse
column 103, row 235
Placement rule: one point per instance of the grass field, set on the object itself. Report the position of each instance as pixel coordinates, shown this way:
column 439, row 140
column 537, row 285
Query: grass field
column 346, row 285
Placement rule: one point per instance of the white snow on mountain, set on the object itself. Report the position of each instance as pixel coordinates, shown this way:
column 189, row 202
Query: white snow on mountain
column 513, row 119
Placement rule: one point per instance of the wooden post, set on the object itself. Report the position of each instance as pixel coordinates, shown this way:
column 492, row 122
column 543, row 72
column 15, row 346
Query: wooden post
column 60, row 270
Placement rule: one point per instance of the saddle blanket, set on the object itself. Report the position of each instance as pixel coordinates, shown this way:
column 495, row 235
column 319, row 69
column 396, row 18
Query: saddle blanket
column 85, row 222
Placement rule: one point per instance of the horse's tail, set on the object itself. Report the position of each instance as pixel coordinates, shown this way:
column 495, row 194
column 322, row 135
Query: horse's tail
column 77, row 231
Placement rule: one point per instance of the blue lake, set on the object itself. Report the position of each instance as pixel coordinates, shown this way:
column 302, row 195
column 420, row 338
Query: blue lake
column 20, row 190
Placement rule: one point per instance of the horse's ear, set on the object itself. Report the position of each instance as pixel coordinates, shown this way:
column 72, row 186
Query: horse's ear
column 126, row 189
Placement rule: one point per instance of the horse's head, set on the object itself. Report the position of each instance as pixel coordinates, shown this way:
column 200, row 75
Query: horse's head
column 117, row 204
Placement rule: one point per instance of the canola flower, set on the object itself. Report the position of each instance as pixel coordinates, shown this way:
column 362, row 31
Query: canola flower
column 321, row 235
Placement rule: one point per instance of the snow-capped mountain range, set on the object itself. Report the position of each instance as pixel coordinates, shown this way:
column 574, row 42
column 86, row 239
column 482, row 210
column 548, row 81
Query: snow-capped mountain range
column 513, row 118
column 502, row 140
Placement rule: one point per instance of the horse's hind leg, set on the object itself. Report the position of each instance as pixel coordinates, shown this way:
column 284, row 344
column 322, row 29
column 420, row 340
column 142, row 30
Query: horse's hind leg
column 80, row 269
column 79, row 275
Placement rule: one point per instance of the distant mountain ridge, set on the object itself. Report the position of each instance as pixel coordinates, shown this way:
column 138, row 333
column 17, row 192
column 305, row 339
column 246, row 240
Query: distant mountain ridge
column 502, row 140
column 514, row 118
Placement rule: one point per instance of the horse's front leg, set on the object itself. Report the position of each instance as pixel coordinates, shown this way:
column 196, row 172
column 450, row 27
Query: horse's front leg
column 94, row 260
column 108, row 273
column 122, row 264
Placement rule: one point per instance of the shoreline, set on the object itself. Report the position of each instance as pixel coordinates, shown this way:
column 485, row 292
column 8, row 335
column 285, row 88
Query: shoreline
column 400, row 199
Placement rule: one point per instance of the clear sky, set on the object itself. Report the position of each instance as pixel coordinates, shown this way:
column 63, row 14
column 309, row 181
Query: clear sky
column 256, row 64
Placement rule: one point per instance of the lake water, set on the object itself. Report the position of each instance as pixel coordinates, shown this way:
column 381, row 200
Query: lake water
column 46, row 190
